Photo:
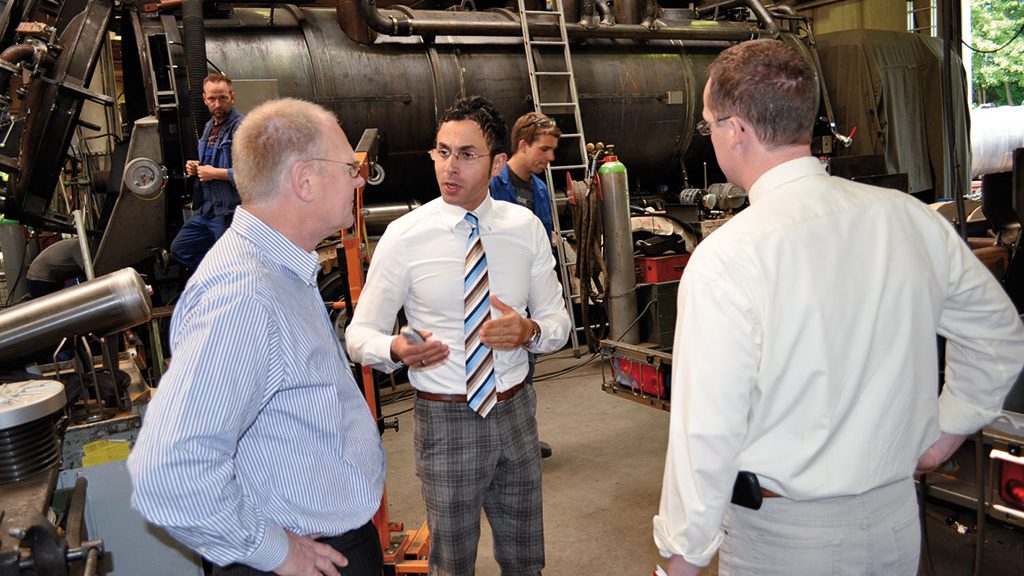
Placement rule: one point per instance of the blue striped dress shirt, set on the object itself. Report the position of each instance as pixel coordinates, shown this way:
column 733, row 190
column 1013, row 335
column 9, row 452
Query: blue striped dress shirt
column 258, row 426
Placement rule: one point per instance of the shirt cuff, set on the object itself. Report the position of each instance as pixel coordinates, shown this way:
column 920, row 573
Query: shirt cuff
column 667, row 548
column 959, row 417
column 380, row 354
column 550, row 341
column 272, row 552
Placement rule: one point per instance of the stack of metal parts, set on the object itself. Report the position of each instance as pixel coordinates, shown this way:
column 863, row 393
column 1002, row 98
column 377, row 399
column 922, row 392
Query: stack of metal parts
column 29, row 442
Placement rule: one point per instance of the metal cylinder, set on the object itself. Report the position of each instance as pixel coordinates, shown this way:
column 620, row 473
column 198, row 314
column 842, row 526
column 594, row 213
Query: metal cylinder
column 995, row 133
column 379, row 216
column 620, row 295
column 698, row 197
column 644, row 96
column 28, row 434
column 102, row 306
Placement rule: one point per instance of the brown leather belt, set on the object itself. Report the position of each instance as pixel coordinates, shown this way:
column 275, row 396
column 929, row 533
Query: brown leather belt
column 461, row 398
column 766, row 493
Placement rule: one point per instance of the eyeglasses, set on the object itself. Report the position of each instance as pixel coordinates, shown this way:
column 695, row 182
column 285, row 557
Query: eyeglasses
column 704, row 127
column 462, row 156
column 543, row 122
column 353, row 167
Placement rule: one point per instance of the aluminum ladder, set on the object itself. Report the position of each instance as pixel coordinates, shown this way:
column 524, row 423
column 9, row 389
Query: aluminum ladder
column 553, row 87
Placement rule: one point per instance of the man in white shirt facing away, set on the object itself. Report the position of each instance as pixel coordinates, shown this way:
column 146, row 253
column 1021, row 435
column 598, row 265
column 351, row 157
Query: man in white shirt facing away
column 450, row 264
column 805, row 350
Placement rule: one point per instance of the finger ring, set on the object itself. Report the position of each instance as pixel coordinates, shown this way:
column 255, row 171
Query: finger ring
column 423, row 362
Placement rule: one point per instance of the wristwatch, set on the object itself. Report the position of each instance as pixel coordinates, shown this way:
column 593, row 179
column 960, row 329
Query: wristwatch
column 534, row 340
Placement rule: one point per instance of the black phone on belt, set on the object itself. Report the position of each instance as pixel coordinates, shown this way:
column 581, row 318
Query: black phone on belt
column 746, row 491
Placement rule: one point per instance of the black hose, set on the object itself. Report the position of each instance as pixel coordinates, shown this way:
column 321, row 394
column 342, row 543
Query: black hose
column 195, row 61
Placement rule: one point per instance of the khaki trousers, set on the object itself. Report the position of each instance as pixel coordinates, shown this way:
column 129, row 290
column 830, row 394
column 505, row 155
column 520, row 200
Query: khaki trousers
column 875, row 533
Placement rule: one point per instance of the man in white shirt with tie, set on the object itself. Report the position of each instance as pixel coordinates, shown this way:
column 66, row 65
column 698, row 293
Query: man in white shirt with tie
column 476, row 278
column 805, row 350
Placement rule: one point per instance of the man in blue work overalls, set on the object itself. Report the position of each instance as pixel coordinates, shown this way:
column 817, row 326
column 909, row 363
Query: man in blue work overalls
column 215, row 196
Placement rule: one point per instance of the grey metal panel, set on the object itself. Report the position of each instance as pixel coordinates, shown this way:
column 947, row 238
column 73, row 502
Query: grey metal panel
column 133, row 546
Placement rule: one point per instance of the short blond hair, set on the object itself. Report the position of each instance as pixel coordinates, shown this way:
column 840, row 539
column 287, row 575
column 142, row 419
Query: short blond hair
column 271, row 139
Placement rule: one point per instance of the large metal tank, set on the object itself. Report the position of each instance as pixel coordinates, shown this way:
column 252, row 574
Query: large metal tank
column 643, row 97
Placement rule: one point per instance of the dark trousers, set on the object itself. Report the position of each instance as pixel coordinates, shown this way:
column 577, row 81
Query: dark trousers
column 39, row 288
column 196, row 238
column 361, row 546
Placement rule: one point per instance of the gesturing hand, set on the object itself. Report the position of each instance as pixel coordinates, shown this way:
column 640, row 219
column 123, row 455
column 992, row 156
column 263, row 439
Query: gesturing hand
column 420, row 356
column 507, row 331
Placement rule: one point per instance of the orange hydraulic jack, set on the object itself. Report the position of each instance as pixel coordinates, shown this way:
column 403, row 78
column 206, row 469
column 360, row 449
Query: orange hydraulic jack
column 405, row 551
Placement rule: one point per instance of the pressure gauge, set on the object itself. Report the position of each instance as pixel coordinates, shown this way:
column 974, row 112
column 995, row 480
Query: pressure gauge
column 145, row 178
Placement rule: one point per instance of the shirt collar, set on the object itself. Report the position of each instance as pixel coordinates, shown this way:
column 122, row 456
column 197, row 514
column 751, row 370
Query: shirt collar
column 454, row 216
column 504, row 175
column 785, row 173
column 274, row 247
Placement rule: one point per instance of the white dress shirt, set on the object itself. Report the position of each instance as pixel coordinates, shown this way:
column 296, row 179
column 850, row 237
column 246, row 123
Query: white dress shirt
column 419, row 263
column 805, row 349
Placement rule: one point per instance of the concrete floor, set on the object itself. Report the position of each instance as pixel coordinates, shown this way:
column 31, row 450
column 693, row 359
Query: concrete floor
column 601, row 486
column 603, row 483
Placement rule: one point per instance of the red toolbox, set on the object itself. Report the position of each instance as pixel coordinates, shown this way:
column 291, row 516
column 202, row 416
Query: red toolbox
column 652, row 269
column 638, row 376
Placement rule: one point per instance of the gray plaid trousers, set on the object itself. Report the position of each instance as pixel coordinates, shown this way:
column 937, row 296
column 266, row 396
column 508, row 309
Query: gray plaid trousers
column 466, row 462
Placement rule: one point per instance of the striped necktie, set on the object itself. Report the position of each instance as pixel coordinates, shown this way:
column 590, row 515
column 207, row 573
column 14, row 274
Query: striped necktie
column 481, row 384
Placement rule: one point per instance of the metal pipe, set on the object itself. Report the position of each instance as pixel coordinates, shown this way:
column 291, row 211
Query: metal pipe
column 588, row 13
column 353, row 24
column 378, row 216
column 102, row 306
column 18, row 52
column 503, row 23
column 760, row 12
column 13, row 55
column 83, row 245
column 607, row 15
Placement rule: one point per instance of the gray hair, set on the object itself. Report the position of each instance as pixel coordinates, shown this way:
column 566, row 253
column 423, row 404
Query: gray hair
column 271, row 139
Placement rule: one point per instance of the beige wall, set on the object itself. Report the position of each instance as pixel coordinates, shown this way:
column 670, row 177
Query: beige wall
column 836, row 15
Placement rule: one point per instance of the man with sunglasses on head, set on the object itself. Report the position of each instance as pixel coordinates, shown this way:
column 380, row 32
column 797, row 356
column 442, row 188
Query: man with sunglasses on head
column 534, row 141
column 259, row 451
column 466, row 269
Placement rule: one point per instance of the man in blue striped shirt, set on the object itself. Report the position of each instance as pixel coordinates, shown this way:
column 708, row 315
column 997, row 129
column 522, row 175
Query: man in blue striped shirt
column 259, row 451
